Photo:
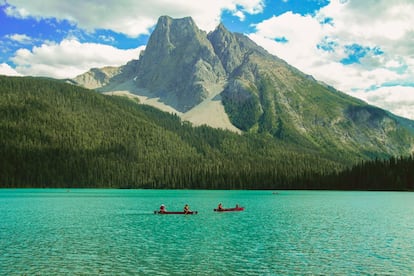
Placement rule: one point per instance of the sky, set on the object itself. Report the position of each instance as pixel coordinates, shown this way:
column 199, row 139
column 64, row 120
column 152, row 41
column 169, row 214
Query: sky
column 363, row 48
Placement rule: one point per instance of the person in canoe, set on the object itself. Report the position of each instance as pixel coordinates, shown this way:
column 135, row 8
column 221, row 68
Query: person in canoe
column 220, row 206
column 162, row 208
column 186, row 209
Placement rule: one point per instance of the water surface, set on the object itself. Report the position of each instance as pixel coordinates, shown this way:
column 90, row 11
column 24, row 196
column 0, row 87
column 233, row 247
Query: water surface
column 58, row 231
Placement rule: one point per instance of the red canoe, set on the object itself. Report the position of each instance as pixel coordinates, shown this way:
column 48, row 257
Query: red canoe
column 175, row 213
column 229, row 209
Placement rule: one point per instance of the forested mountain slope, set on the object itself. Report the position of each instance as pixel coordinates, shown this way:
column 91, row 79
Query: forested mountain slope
column 54, row 134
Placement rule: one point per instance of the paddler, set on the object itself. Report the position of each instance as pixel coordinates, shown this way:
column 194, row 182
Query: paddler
column 162, row 208
column 220, row 206
column 186, row 209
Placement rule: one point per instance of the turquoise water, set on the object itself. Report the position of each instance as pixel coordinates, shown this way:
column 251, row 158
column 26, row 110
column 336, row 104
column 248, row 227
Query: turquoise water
column 114, row 232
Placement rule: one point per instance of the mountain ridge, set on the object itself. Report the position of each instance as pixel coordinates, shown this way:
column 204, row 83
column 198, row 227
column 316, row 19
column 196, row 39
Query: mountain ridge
column 261, row 93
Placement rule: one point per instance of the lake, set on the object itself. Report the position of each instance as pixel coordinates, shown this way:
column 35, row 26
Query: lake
column 114, row 232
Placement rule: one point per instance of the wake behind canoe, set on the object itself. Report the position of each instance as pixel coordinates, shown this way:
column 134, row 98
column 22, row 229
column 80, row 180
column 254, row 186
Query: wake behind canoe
column 176, row 213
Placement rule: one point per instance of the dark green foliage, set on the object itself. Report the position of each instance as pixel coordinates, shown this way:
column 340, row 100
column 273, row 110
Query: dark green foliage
column 54, row 134
column 242, row 105
column 58, row 135
column 394, row 174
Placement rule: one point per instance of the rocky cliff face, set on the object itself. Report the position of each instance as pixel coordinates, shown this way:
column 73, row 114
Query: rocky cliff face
column 185, row 67
column 96, row 77
column 179, row 64
column 227, row 48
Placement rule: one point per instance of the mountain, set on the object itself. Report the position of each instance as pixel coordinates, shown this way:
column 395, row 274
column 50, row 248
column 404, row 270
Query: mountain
column 225, row 80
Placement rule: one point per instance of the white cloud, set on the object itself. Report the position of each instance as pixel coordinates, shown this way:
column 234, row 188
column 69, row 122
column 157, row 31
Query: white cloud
column 240, row 15
column 129, row 16
column 6, row 70
column 21, row 38
column 384, row 27
column 302, row 33
column 69, row 58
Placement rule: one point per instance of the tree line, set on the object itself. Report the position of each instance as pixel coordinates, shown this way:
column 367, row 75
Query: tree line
column 395, row 174
column 54, row 134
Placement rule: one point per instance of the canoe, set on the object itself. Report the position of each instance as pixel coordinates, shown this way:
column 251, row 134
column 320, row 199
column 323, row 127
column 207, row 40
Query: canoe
column 235, row 209
column 175, row 213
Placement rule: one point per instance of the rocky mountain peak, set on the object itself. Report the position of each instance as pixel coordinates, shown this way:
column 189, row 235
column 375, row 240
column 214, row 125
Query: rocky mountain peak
column 179, row 63
column 170, row 32
column 226, row 47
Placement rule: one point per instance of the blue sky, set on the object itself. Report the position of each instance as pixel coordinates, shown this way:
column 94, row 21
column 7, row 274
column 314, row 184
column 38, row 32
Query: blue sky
column 363, row 48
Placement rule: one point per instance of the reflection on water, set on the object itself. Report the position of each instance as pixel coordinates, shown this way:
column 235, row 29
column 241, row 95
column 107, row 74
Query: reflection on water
column 116, row 232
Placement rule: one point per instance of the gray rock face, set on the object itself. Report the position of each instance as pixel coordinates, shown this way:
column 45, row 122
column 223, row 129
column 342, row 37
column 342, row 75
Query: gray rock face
column 179, row 64
column 227, row 48
column 96, row 77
